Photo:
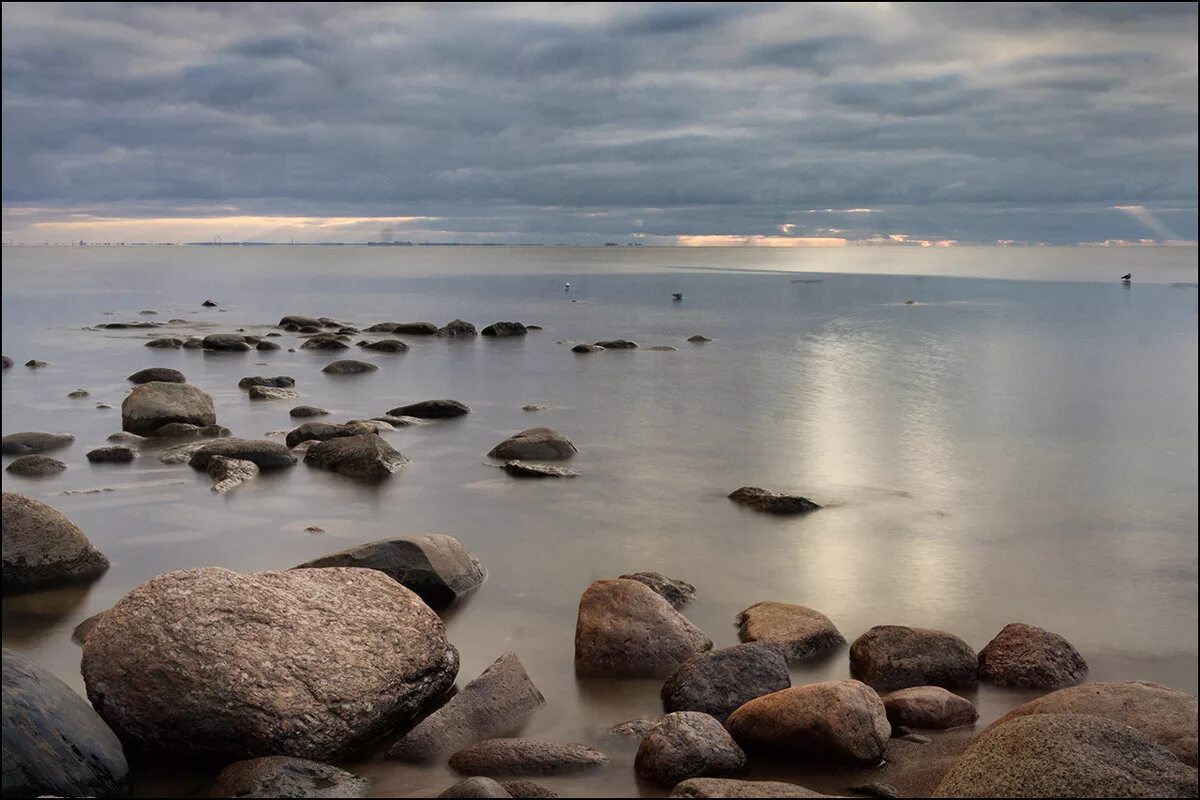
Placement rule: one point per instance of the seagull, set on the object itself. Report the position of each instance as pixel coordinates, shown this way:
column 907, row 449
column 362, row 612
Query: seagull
column 1127, row 277
column 566, row 286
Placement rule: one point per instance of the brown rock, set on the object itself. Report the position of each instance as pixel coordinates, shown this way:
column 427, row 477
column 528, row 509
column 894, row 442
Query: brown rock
column 687, row 744
column 929, row 707
column 772, row 502
column 890, row 657
column 801, row 630
column 525, row 757
column 42, row 548
column 151, row 405
column 280, row 776
column 1027, row 657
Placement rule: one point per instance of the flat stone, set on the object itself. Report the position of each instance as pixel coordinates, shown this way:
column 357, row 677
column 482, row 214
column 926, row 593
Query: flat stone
column 928, row 707
column 349, row 366
column 184, row 430
column 31, row 442
column 801, row 630
column 524, row 469
column 698, row 338
column 617, row 344
column 266, row 454
column 772, row 502
column 43, row 549
column 299, row 321
column 281, row 776
column 364, row 457
column 687, row 744
column 525, row 757
column 540, row 444
column 159, row 374
column 586, row 348
column 228, row 473
column 661, row 348
column 35, row 466
column 720, row 682
column 431, row 409
column 1028, row 657
column 891, row 657
column 125, row 437
column 324, row 341
column 677, row 593
column 79, row 394
column 385, row 346
column 308, row 411
column 167, row 343
column 279, row 382
column 272, row 393
column 116, row 454
column 225, row 342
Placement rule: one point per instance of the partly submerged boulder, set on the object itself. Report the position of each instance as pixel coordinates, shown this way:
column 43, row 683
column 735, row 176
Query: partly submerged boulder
column 801, row 630
column 772, row 502
column 281, row 776
column 535, row 444
column 720, row 682
column 431, row 409
column 44, row 549
column 364, row 457
column 151, row 405
column 890, row 657
column 1028, row 657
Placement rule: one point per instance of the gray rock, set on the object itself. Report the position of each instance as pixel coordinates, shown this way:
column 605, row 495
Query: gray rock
column 168, row 343
column 364, row 457
column 8, row 362
column 42, row 548
column 308, row 411
column 79, row 394
column 184, row 430
column 524, row 469
column 349, row 366
column 431, row 409
column 321, row 432
column 772, row 502
column 151, row 405
column 279, row 382
column 586, row 348
column 476, row 787
column 534, row 407
column 385, row 346
column 126, row 325
column 266, row 454
column 435, row 566
column 230, row 472
column 125, row 437
column 1066, row 755
column 504, row 329
column 225, row 342
column 890, row 657
column 617, row 344
column 30, row 442
column 801, row 630
column 272, row 393
column 698, row 339
column 54, row 743
column 193, row 343
column 720, row 682
column 928, row 707
column 687, row 744
column 209, row 304
column 264, row 346
column 677, row 593
column 281, row 776
column 182, row 453
column 499, row 700
column 633, row 728
column 1027, row 657
column 193, row 662
column 457, row 327
column 626, row 629
column 540, row 444
column 369, row 426
column 397, row 422
column 324, row 341
column 157, row 374
column 299, row 321
column 35, row 466
column 116, row 454
column 727, row 787
column 414, row 328
column 33, row 363
column 525, row 757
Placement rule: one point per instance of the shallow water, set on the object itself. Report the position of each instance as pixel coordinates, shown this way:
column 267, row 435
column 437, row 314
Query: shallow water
column 1003, row 450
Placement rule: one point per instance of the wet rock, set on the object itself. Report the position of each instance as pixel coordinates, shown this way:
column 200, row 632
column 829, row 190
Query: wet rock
column 169, row 343
column 151, row 405
column 266, row 454
column 125, row 437
column 33, row 363
column 431, row 409
column 116, row 326
column 157, row 374
column 103, row 406
column 278, row 382
column 310, row 329
column 435, row 566
column 35, row 466
column 522, row 788
column 272, row 393
column 364, row 457
column 274, row 333
column 193, row 662
column 698, row 338
column 79, row 394
column 54, row 743
column 534, row 407
column 687, row 744
column 457, row 327
column 801, row 630
column 617, row 344
column 280, row 776
column 837, row 720
column 44, row 549
column 209, row 304
column 662, row 348
column 930, row 707
column 182, row 453
column 225, row 342
column 414, row 328
column 524, row 469
column 1066, row 755
column 626, row 629
column 348, row 330
column 586, row 348
column 349, row 367
column 369, row 426
column 299, row 321
column 1163, row 715
column 182, row 430
column 677, row 593
column 499, row 700
column 890, row 657
column 397, row 422
column 504, row 329
column 476, row 787
column 308, row 411
column 193, row 343
column 321, row 432
column 324, row 341
column 772, row 502
column 252, row 340
column 385, row 346
column 8, row 362
column 728, row 787
column 265, row 345
column 314, row 529
column 230, row 472
column 633, row 728
column 541, row 444
column 1027, row 657
column 30, row 442
column 525, row 757
column 116, row 454
column 720, row 682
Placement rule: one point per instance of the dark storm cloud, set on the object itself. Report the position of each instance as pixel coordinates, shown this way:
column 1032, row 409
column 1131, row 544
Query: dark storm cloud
column 586, row 123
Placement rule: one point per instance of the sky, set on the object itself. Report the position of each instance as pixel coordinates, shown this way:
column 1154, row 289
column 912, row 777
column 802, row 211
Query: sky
column 693, row 124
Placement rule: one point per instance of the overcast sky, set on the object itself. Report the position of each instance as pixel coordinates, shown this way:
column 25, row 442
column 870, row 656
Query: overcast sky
column 756, row 123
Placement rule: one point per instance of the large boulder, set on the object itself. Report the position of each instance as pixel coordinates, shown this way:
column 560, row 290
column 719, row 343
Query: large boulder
column 890, row 657
column 42, row 548
column 263, row 452
column 1163, row 715
column 35, row 466
column 722, row 681
column 32, row 442
column 151, row 405
column 728, row 787
column 312, row 663
column 225, row 342
column 435, row 566
column 928, row 707
column 525, row 757
column 504, row 329
column 1028, row 657
column 364, row 457
column 308, row 411
column 772, row 502
column 157, row 374
column 499, row 700
column 627, row 629
column 281, row 776
column 838, row 720
column 431, row 409
column 687, row 744
column 54, row 743
column 536, row 444
column 1066, row 755
column 801, row 630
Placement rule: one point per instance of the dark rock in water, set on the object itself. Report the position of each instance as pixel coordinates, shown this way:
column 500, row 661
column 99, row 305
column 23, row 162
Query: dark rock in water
column 385, row 346
column 875, row 790
column 266, row 454
column 929, row 707
column 1028, row 657
column 435, row 566
column 209, row 304
column 8, row 362
column 720, row 682
column 314, row 529
column 523, row 469
column 504, row 329
column 79, row 394
column 308, row 411
column 279, row 381
column 540, row 444
column 677, row 593
column 44, row 549
column 397, row 422
column 348, row 330
column 476, row 787
column 254, row 340
column 728, row 787
column 633, row 728
column 324, row 341
column 299, row 321
column 274, row 333
column 125, row 437
column 265, row 345
column 801, row 630
column 103, row 406
column 525, row 757
column 225, row 342
column 310, row 329
column 499, row 700
column 184, row 430
column 55, row 745
column 320, row 431
column 1066, row 755
column 160, row 374
column 698, row 339
column 33, row 363
column 28, row 442
column 415, row 328
column 586, row 348
column 280, row 776
column 772, row 502
column 890, row 657
column 272, row 393
column 364, row 457
column 182, row 453
column 381, row 327
column 349, row 367
column 431, row 409
column 230, row 472
column 662, row 348
column 117, row 326
column 329, row 322
column 193, row 343
column 626, row 629
column 457, row 327
column 151, row 405
column 167, row 344
column 687, row 744
column 837, row 720
column 617, row 344
column 35, row 466
column 523, row 788
column 534, row 407
column 117, row 454
column 292, row 328
column 313, row 663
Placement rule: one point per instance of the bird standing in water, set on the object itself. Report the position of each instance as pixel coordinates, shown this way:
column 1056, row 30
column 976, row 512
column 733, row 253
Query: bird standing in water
column 566, row 286
column 1127, row 277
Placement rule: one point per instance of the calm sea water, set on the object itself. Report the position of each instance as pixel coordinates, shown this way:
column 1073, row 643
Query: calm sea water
column 1021, row 445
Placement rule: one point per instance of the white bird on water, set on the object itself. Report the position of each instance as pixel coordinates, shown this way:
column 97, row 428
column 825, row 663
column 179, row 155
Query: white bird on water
column 566, row 286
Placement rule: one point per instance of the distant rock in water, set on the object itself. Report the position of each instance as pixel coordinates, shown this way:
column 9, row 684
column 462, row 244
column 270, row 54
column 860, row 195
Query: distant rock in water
column 280, row 776
column 125, row 437
column 161, row 374
column 364, row 457
column 525, row 469
column 151, row 405
column 349, row 367
column 44, row 549
column 28, row 442
column 457, row 327
column 662, row 348
column 8, row 362
column 33, row 363
column 299, row 321
column 534, row 407
column 225, row 342
column 117, row 326
column 504, row 329
column 324, row 341
column 79, row 394
column 116, row 454
column 185, row 430
column 698, row 339
column 272, row 393
column 321, row 432
column 617, row 344
column 539, row 444
column 772, row 502
column 209, row 304
column 266, row 454
column 308, row 411
column 1028, row 657
column 166, row 344
column 586, row 348
column 35, row 466
column 431, row 409
column 385, row 346
column 264, row 345
column 410, row 328
column 279, row 381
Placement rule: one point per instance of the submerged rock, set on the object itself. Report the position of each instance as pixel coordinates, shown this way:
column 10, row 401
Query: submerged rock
column 225, row 342
column 698, row 338
column 349, row 367
column 168, row 343
column 720, row 682
column 890, row 657
column 35, row 466
column 159, row 374
column 525, row 788
column 414, row 328
column 79, row 394
column 308, row 411
column 264, row 346
column 801, row 630
column 30, row 442
column 525, row 757
column 183, row 430
column 266, row 454
column 687, row 744
column 125, row 437
column 33, row 363
column 151, row 405
column 523, row 469
column 44, row 549
column 116, row 454
column 457, row 327
column 324, row 341
column 632, row 728
column 209, row 304
column 677, row 593
column 431, row 409
column 928, row 707
column 281, row 776
column 586, row 348
column 8, row 362
column 272, row 393
column 230, row 472
column 540, row 444
column 662, row 348
column 279, row 382
column 385, row 346
column 772, row 502
column 364, row 457
column 1027, row 657
column 299, row 321
column 321, row 432
column 617, row 344
column 504, row 329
